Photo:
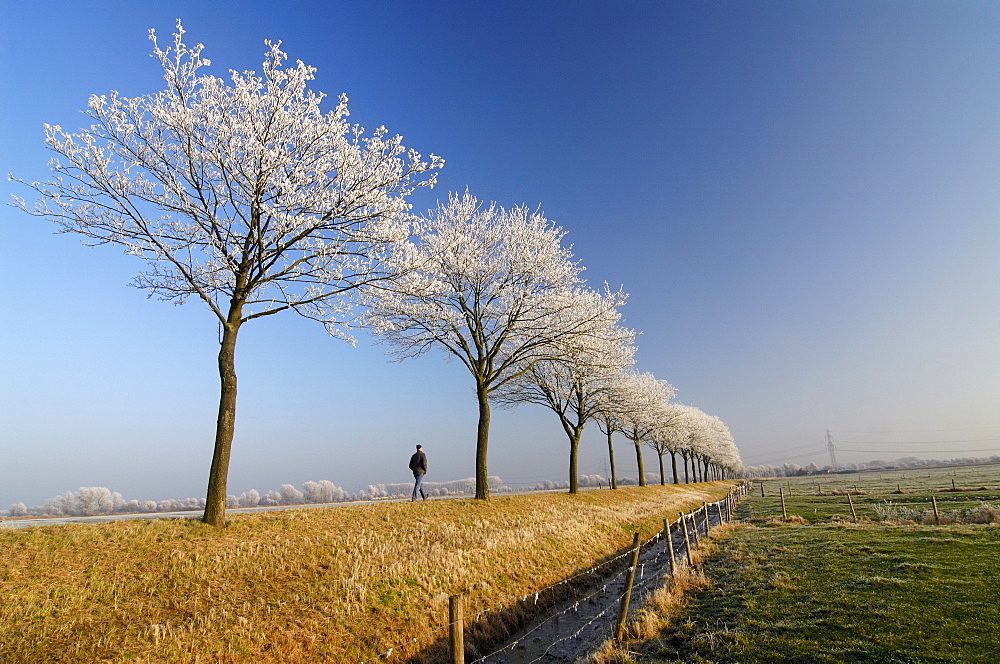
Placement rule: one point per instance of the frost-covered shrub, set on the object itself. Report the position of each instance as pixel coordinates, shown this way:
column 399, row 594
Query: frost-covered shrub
column 249, row 498
column 58, row 505
column 593, row 480
column 986, row 513
column 323, row 491
column 85, row 501
column 290, row 495
column 893, row 513
column 97, row 500
column 376, row 491
column 184, row 505
column 18, row 509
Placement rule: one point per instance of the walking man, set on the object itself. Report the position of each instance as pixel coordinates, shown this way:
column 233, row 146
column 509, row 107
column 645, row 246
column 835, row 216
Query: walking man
column 418, row 464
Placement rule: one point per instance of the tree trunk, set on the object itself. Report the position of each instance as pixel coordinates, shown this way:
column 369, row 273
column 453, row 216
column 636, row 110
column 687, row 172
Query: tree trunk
column 611, row 458
column 215, row 501
column 663, row 481
column 673, row 463
column 482, row 441
column 574, row 454
column 687, row 475
column 638, row 460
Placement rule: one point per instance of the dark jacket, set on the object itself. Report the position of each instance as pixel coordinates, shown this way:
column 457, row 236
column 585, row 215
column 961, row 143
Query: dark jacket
column 418, row 462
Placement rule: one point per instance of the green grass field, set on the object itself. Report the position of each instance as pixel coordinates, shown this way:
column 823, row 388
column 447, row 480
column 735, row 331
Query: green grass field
column 892, row 586
column 911, row 493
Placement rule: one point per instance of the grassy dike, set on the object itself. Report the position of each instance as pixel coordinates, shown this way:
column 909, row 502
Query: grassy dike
column 341, row 584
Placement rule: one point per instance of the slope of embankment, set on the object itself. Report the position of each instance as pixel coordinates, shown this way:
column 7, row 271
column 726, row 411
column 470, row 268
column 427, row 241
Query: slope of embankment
column 344, row 584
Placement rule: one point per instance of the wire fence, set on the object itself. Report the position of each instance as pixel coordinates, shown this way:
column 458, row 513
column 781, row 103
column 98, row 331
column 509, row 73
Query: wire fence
column 578, row 610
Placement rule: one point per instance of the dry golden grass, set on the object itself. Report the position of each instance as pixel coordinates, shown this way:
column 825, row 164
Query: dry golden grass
column 341, row 584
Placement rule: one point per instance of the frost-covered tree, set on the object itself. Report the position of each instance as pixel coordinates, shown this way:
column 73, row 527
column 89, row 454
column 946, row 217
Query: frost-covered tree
column 323, row 491
column 611, row 402
column 583, row 369
column 496, row 290
column 669, row 436
column 719, row 454
column 705, row 444
column 639, row 410
column 727, row 458
column 271, row 498
column 61, row 504
column 375, row 491
column 243, row 194
column 250, row 498
column 290, row 495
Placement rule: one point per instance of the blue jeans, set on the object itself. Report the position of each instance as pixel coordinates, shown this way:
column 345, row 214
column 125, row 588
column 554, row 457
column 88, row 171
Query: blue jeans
column 417, row 486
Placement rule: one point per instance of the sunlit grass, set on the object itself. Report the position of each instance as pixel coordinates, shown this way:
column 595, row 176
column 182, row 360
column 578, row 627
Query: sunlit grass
column 845, row 593
column 822, row 587
column 340, row 584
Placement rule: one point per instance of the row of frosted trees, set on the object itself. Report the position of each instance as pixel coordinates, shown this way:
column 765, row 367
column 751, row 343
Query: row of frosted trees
column 243, row 194
column 497, row 289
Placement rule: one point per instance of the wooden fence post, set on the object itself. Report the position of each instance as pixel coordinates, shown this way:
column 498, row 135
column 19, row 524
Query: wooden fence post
column 853, row 513
column 781, row 494
column 687, row 539
column 694, row 529
column 761, row 489
column 620, row 627
column 937, row 517
column 718, row 507
column 457, row 625
column 670, row 546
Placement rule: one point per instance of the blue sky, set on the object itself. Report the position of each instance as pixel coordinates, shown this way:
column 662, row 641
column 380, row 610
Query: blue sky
column 800, row 197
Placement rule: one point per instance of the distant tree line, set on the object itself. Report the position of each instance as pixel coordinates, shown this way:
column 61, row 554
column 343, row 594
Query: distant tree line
column 795, row 470
column 89, row 501
column 92, row 501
